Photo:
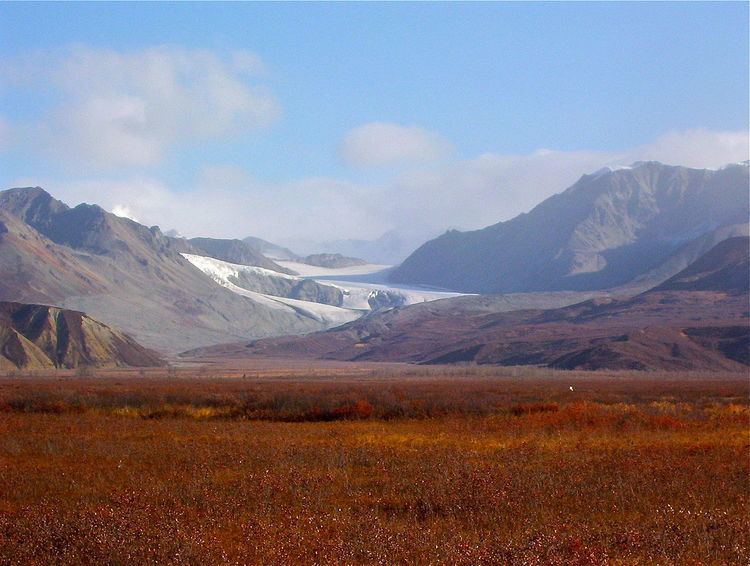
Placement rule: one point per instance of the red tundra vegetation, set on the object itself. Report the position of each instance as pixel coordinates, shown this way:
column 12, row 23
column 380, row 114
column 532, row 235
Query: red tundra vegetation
column 374, row 466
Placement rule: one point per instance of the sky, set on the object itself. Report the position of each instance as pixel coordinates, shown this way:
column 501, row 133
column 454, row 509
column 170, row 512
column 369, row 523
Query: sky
column 318, row 121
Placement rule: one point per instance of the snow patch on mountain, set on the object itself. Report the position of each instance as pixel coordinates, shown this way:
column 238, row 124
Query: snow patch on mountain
column 363, row 288
column 362, row 283
column 223, row 272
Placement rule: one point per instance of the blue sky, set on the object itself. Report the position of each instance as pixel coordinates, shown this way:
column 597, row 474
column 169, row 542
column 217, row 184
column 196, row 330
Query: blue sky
column 498, row 79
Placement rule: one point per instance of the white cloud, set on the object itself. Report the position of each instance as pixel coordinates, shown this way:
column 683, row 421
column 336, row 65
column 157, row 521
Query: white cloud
column 380, row 144
column 123, row 211
column 225, row 202
column 477, row 192
column 696, row 148
column 130, row 108
column 212, row 177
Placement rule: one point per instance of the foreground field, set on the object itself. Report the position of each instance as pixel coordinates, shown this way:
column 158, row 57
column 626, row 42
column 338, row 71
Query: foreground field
column 384, row 466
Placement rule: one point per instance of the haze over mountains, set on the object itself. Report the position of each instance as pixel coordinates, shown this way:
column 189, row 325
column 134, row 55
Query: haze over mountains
column 647, row 221
column 390, row 248
column 614, row 233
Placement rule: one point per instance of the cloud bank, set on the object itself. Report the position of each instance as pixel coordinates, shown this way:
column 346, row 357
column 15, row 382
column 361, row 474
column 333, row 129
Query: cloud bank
column 380, row 144
column 225, row 201
column 113, row 109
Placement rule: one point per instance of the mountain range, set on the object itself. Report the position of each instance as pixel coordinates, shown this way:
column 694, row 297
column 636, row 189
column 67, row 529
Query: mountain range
column 635, row 224
column 696, row 320
column 561, row 286
column 124, row 274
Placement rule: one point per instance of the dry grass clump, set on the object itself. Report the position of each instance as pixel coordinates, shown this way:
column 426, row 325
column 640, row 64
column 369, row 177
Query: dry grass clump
column 495, row 470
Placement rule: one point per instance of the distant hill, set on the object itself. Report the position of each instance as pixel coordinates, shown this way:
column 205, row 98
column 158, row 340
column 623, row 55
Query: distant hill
column 696, row 321
column 39, row 336
column 608, row 229
column 332, row 261
column 269, row 249
column 389, row 249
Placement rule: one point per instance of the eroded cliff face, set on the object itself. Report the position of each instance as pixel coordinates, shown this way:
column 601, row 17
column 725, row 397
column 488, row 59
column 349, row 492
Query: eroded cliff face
column 41, row 337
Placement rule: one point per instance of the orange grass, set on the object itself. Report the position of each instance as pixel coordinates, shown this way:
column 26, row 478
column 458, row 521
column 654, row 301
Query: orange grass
column 427, row 469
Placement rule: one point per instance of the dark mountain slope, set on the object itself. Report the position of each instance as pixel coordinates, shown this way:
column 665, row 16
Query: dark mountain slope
column 33, row 205
column 701, row 326
column 725, row 268
column 39, row 336
column 35, row 269
column 604, row 231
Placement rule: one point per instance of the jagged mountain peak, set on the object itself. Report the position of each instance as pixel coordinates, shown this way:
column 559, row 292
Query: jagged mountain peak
column 33, row 205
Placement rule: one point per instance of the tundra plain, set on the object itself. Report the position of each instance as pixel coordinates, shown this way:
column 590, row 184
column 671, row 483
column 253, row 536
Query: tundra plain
column 284, row 463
